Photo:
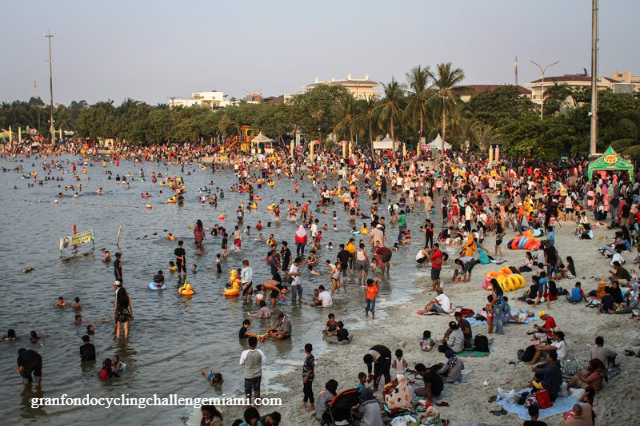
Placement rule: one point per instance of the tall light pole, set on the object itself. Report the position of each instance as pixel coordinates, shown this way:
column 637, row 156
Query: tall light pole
column 594, row 78
column 542, row 71
column 52, row 128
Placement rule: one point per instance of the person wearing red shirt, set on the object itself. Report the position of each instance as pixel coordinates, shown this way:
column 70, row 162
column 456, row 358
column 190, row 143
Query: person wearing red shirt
column 437, row 258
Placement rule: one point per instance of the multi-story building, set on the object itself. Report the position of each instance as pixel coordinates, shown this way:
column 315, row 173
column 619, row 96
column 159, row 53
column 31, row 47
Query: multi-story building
column 627, row 82
column 540, row 86
column 212, row 99
column 360, row 88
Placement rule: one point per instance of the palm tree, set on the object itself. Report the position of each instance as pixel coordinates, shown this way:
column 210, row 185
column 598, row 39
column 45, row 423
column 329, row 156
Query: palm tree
column 348, row 111
column 444, row 98
column 366, row 120
column 418, row 79
column 390, row 108
column 484, row 134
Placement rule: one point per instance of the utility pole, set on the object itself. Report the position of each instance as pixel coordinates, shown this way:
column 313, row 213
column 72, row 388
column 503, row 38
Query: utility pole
column 542, row 71
column 516, row 71
column 594, row 78
column 52, row 128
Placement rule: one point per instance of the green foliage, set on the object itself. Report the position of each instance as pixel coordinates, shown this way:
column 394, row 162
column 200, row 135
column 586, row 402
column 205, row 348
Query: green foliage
column 426, row 105
column 493, row 107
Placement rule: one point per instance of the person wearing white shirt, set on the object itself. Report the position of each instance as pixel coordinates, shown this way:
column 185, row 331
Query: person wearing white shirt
column 246, row 275
column 296, row 287
column 441, row 304
column 325, row 297
column 252, row 359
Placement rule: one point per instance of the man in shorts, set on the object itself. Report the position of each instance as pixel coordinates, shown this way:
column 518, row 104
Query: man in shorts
column 437, row 258
column 29, row 363
column 343, row 257
column 362, row 264
column 384, row 255
column 180, row 255
column 252, row 359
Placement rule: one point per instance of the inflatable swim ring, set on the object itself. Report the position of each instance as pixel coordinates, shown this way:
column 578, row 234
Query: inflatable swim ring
column 257, row 198
column 271, row 207
column 154, row 286
column 185, row 290
column 149, row 205
column 173, row 268
column 146, row 195
column 171, row 200
column 232, row 291
column 253, row 206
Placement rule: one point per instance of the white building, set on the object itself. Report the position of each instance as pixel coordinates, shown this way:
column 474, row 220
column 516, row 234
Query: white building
column 360, row 88
column 213, row 99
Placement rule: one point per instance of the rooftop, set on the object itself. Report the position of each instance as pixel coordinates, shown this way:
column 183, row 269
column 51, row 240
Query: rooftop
column 572, row 77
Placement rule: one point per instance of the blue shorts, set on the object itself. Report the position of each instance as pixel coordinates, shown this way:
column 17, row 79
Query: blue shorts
column 371, row 305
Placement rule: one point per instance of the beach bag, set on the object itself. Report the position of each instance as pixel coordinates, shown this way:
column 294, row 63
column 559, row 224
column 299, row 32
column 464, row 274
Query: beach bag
column 481, row 343
column 466, row 312
column 543, row 398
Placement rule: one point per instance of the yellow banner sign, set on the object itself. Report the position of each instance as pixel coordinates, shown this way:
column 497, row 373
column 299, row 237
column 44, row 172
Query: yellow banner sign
column 74, row 240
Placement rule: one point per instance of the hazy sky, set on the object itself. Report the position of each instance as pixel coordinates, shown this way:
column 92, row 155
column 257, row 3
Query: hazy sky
column 151, row 50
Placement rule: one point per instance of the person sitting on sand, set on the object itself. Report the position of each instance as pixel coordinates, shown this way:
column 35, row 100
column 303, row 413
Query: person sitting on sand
column 577, row 294
column 213, row 377
column 433, row 384
column 558, row 346
column 592, row 376
column 440, row 305
column 451, row 371
column 325, row 396
column 551, row 375
column 454, row 339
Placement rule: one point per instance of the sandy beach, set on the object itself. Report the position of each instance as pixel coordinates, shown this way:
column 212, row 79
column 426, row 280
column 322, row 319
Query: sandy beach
column 402, row 328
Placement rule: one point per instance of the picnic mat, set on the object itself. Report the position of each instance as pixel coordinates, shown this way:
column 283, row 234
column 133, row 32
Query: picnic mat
column 560, row 405
column 472, row 354
column 475, row 321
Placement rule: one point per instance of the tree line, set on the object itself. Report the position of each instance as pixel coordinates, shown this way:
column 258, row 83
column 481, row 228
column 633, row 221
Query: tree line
column 427, row 103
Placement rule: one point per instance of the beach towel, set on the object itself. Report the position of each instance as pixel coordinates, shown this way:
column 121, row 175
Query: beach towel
column 560, row 405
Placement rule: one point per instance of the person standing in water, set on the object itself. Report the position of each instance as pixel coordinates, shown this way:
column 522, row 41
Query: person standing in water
column 117, row 267
column 181, row 258
column 122, row 312
column 198, row 233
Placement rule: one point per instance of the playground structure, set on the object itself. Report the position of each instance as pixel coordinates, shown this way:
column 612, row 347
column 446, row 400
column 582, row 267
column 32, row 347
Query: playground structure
column 242, row 141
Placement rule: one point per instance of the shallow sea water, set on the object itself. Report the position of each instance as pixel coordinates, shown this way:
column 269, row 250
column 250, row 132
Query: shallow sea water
column 172, row 338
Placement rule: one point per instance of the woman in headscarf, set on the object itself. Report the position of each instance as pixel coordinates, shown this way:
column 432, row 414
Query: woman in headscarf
column 325, row 396
column 370, row 409
column 580, row 415
column 591, row 376
column 301, row 241
column 451, row 371
column 198, row 233
column 469, row 248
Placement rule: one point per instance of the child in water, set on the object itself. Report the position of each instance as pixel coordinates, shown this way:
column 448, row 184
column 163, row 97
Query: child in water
column 107, row 370
column 61, row 302
column 117, row 365
column 77, row 305
column 194, row 268
column 172, row 266
column 213, row 377
column 218, row 265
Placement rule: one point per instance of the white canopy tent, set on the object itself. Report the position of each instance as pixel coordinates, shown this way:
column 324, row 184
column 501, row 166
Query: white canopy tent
column 261, row 141
column 437, row 143
column 386, row 143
